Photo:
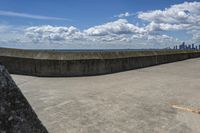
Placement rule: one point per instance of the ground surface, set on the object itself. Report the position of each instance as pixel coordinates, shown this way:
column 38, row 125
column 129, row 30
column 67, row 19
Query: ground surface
column 137, row 101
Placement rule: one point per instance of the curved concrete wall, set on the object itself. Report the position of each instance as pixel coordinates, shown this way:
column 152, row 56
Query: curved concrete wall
column 39, row 63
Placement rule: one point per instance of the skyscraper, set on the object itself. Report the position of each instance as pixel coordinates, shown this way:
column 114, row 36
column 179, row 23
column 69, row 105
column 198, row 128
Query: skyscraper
column 189, row 46
column 193, row 46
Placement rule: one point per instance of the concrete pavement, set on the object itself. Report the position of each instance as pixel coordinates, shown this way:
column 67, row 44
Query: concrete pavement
column 137, row 101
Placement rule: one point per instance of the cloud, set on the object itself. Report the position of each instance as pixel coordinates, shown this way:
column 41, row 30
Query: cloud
column 121, row 26
column 116, row 34
column 155, row 33
column 184, row 17
column 4, row 28
column 52, row 33
column 122, row 15
column 177, row 17
column 119, row 32
column 154, row 27
column 196, row 36
column 10, row 35
column 31, row 16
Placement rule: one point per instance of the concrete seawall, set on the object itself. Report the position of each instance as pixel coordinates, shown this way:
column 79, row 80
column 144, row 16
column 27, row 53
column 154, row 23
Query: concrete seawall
column 52, row 63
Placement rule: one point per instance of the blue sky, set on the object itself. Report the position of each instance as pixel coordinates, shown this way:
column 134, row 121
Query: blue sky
column 81, row 13
column 107, row 23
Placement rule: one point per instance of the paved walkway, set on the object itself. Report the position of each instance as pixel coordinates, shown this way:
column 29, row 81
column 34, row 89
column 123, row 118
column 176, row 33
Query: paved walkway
column 159, row 99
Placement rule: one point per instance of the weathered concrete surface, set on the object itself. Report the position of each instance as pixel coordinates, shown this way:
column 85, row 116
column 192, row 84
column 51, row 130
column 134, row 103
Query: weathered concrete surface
column 16, row 115
column 86, row 55
column 85, row 63
column 135, row 101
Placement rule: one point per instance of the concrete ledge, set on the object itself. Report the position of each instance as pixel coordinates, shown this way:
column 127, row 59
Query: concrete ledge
column 54, row 63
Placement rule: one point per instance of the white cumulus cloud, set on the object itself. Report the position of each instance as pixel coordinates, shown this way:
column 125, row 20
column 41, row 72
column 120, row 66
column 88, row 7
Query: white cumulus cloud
column 116, row 32
column 178, row 16
column 183, row 17
column 121, row 26
column 53, row 33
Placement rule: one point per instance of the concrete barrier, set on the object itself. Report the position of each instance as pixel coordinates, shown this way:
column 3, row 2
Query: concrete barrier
column 85, row 63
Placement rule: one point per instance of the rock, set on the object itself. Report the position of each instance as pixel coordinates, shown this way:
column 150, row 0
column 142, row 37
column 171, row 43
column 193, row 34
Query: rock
column 16, row 114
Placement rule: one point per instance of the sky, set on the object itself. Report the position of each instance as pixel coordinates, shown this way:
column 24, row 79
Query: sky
column 98, row 24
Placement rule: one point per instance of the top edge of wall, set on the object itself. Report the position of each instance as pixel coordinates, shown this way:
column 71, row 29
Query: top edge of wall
column 85, row 55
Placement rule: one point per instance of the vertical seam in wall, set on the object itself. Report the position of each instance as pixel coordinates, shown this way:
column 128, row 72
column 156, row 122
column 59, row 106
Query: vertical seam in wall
column 156, row 59
column 35, row 70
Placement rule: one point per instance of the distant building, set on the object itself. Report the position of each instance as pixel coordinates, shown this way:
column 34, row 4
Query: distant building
column 189, row 46
column 183, row 46
column 193, row 46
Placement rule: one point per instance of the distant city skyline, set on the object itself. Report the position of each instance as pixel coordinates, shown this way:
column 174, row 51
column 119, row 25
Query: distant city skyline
column 185, row 46
column 99, row 24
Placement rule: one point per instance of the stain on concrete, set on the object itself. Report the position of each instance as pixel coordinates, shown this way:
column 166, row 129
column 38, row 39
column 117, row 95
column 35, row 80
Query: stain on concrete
column 186, row 109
